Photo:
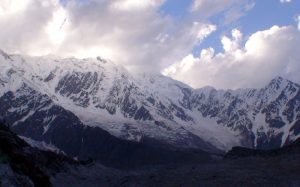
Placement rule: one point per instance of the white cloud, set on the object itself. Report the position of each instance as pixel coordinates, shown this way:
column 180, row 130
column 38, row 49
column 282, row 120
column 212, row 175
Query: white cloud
column 8, row 7
column 298, row 20
column 285, row 1
column 232, row 9
column 23, row 24
column 204, row 30
column 266, row 54
column 130, row 32
column 211, row 7
column 56, row 28
column 236, row 12
column 135, row 5
column 144, row 40
column 228, row 11
column 232, row 44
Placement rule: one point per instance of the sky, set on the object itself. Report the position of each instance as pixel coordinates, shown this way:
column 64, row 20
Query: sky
column 227, row 44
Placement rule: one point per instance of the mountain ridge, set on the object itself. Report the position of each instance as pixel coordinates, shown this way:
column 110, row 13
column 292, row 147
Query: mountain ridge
column 133, row 107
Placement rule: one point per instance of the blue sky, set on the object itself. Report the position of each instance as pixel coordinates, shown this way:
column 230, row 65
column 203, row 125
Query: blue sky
column 176, row 9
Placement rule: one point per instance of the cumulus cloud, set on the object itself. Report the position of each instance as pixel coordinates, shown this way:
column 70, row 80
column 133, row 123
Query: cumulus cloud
column 232, row 44
column 266, row 54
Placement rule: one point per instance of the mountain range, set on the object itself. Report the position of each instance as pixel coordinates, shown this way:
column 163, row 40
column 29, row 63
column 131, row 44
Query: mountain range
column 79, row 106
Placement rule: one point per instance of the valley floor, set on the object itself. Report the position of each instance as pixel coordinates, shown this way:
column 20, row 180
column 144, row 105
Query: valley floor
column 283, row 170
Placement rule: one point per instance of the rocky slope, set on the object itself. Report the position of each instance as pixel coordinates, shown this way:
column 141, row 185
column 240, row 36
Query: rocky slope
column 45, row 98
column 23, row 165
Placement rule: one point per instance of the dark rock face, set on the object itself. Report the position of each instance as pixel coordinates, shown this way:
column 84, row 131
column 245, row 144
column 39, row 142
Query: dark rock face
column 186, row 98
column 79, row 87
column 143, row 114
column 296, row 127
column 14, row 107
column 180, row 113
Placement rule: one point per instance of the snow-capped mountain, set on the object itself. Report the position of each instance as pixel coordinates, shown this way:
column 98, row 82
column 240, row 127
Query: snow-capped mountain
column 39, row 94
column 267, row 117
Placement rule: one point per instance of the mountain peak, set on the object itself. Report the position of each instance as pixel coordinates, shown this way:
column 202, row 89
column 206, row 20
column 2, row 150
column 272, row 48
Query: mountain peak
column 278, row 79
column 206, row 90
column 280, row 82
column 277, row 82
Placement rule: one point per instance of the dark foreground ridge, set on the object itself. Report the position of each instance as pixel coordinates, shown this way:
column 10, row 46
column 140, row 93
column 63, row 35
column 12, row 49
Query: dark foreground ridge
column 240, row 152
column 23, row 165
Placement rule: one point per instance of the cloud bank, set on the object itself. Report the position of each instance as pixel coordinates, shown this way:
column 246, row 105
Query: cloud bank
column 139, row 36
column 265, row 54
column 133, row 33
